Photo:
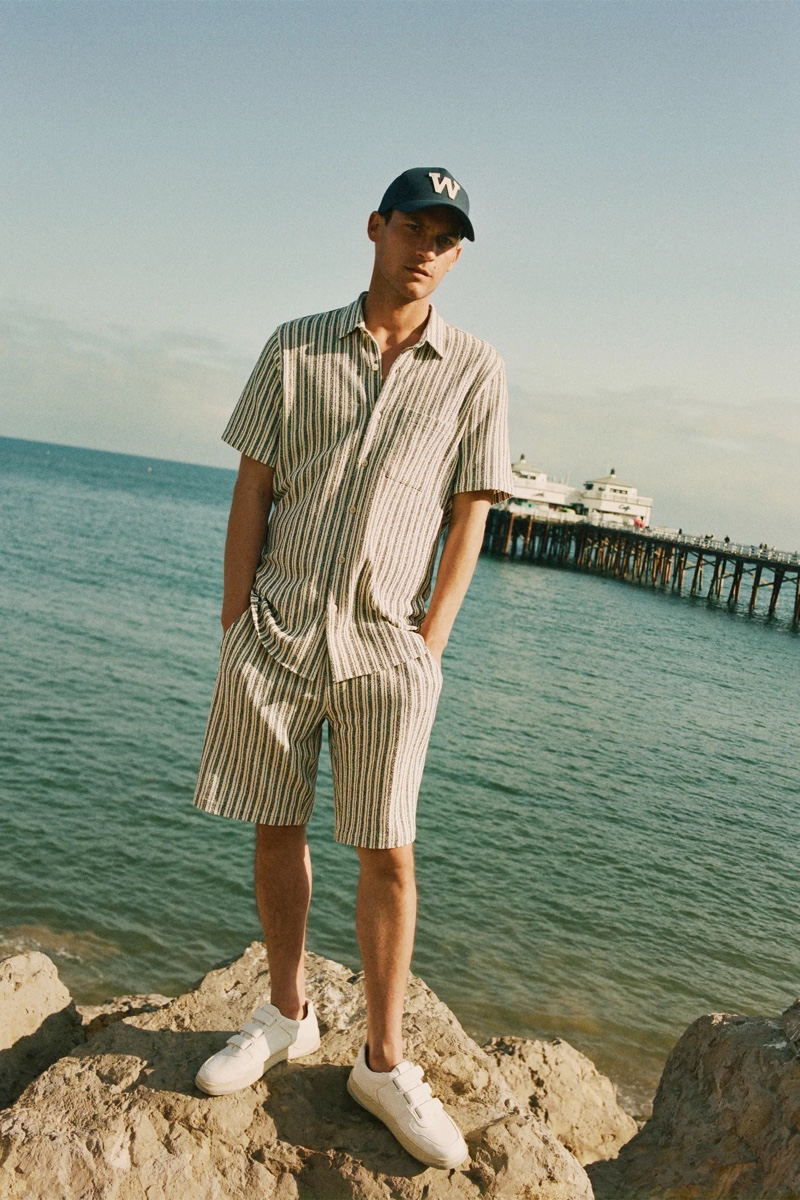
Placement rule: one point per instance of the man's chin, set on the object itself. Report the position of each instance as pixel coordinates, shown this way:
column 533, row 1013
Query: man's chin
column 418, row 289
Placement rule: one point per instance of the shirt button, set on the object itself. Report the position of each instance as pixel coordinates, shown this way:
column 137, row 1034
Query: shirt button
column 340, row 558
column 351, row 508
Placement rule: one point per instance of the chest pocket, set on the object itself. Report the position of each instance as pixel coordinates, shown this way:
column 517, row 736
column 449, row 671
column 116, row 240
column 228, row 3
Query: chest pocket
column 413, row 448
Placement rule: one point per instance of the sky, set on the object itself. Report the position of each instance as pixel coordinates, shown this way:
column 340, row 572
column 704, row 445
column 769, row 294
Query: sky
column 178, row 178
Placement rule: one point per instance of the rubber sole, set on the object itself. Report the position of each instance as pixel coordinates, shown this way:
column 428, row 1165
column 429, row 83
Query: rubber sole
column 252, row 1076
column 403, row 1138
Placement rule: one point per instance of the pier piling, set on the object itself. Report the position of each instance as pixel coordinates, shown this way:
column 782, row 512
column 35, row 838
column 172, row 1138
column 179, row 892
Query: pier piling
column 647, row 558
column 776, row 588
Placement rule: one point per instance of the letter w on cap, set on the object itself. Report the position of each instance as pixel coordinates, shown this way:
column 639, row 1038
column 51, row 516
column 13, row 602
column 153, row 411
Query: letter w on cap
column 440, row 184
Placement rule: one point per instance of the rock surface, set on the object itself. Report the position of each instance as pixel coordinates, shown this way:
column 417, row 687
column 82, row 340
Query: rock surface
column 97, row 1016
column 564, row 1088
column 726, row 1118
column 120, row 1117
column 38, row 1021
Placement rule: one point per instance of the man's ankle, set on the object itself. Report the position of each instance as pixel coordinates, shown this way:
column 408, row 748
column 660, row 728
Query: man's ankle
column 379, row 1061
column 293, row 1010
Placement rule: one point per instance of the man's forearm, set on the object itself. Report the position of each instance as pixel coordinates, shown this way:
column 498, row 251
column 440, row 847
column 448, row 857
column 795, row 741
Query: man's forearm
column 247, row 533
column 456, row 567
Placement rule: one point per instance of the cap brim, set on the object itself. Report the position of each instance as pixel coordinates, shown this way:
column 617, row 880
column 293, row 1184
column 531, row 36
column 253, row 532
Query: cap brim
column 417, row 205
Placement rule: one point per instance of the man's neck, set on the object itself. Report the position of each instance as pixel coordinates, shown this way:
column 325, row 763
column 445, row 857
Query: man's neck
column 393, row 322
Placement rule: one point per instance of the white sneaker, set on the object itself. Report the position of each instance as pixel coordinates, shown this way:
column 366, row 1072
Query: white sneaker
column 267, row 1038
column 409, row 1109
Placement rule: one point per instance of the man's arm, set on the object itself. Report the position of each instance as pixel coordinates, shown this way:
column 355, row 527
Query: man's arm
column 456, row 566
column 247, row 533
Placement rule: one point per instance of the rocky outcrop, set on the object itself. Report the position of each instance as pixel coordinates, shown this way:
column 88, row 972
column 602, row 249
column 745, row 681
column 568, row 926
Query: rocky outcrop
column 97, row 1016
column 120, row 1117
column 38, row 1021
column 564, row 1088
column 726, row 1118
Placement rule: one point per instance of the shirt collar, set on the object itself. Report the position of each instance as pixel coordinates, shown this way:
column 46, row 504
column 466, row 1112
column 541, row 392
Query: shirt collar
column 434, row 333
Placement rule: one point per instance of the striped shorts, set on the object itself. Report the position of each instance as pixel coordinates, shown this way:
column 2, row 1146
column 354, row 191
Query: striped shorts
column 261, row 750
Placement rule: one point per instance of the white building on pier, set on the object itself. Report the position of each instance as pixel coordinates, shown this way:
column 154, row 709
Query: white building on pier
column 608, row 501
column 602, row 501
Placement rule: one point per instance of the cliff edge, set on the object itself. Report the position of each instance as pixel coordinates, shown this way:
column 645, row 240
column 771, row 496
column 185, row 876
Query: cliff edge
column 99, row 1103
column 116, row 1114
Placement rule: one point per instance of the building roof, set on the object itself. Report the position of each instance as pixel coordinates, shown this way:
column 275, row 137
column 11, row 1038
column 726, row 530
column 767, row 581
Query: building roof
column 524, row 465
column 612, row 478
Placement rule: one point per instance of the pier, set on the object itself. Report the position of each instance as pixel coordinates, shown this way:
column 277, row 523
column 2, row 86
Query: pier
column 719, row 571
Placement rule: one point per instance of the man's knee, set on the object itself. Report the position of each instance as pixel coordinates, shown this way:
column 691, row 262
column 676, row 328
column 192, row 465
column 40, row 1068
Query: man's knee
column 394, row 861
column 279, row 837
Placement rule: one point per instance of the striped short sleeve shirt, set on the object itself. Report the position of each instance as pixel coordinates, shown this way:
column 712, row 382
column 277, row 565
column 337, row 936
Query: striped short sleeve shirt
column 364, row 475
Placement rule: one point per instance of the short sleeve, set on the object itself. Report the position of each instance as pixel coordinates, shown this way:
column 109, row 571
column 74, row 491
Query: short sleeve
column 254, row 427
column 484, row 456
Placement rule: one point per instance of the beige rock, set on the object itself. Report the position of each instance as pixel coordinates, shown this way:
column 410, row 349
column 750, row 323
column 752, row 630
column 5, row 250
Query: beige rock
column 121, row 1119
column 97, row 1016
column 38, row 1021
column 726, row 1118
column 566, row 1091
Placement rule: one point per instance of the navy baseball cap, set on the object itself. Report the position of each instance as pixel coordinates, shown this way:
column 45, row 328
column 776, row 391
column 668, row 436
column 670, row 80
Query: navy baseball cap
column 422, row 187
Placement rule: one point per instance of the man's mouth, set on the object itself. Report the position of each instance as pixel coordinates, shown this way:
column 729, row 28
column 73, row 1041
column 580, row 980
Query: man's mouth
column 418, row 271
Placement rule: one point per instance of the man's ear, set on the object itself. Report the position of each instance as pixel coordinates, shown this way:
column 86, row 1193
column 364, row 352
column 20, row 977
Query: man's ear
column 374, row 225
column 459, row 248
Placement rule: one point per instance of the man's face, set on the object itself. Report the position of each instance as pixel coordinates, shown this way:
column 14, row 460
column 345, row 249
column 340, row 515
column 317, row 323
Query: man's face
column 414, row 251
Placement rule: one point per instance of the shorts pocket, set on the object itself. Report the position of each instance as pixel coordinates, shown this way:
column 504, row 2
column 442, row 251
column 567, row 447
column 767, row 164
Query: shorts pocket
column 431, row 656
column 436, row 663
column 235, row 623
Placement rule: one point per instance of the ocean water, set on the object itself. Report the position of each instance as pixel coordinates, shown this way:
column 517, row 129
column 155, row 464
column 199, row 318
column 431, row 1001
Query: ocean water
column 608, row 824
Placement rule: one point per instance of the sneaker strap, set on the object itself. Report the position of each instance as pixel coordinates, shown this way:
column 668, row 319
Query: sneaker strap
column 416, row 1094
column 266, row 1016
column 428, row 1107
column 409, row 1080
column 244, row 1039
column 406, row 1074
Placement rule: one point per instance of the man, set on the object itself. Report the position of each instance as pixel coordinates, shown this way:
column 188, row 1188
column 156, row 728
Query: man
column 364, row 433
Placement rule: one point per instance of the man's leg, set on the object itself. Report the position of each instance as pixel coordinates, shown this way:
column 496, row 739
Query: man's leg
column 386, row 914
column 383, row 1080
column 378, row 733
column 259, row 764
column 283, row 895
